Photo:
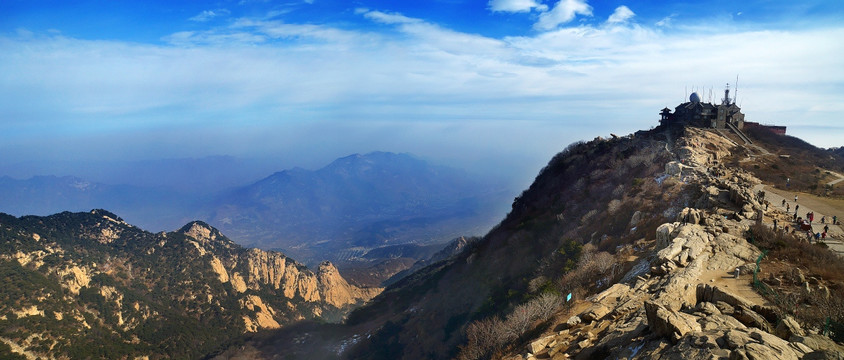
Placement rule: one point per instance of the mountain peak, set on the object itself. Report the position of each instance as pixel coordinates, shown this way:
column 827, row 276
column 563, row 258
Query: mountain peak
column 107, row 214
column 200, row 230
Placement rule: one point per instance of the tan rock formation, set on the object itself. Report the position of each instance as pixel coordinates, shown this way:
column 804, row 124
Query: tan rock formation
column 264, row 314
column 218, row 268
column 74, row 278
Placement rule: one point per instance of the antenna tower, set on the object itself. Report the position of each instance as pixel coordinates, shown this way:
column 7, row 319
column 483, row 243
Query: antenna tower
column 735, row 95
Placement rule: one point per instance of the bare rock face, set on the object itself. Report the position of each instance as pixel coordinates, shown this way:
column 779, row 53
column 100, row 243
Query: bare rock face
column 272, row 269
column 264, row 314
column 336, row 291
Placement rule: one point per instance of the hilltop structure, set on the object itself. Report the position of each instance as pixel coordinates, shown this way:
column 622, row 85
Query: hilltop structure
column 701, row 114
column 726, row 115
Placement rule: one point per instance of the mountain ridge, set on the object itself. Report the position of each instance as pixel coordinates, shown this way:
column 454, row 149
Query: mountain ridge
column 141, row 293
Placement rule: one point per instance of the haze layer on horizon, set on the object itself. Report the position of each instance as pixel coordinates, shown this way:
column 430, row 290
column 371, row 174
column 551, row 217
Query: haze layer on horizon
column 499, row 84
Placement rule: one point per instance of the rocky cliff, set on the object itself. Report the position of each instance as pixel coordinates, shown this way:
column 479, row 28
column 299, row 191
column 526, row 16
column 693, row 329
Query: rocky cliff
column 174, row 295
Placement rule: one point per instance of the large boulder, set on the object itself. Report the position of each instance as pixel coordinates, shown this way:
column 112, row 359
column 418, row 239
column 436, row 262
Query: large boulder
column 788, row 327
column 663, row 235
column 715, row 294
column 669, row 323
column 751, row 319
column 758, row 345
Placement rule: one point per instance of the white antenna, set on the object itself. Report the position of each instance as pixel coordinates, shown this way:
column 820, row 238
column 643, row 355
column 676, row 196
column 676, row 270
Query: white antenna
column 735, row 94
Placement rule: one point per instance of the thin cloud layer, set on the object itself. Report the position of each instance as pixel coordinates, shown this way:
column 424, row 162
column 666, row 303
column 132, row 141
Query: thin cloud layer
column 207, row 15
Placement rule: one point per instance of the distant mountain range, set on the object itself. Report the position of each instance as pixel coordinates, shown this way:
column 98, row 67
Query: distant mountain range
column 359, row 202
column 339, row 212
column 154, row 208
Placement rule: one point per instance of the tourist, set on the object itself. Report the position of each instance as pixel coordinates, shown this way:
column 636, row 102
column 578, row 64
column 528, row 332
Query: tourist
column 825, row 228
column 835, row 220
column 775, row 224
column 823, row 235
column 823, row 219
column 783, row 202
column 796, row 207
column 795, row 198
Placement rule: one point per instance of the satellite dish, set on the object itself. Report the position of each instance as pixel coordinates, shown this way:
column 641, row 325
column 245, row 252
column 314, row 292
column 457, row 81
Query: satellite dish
column 694, row 97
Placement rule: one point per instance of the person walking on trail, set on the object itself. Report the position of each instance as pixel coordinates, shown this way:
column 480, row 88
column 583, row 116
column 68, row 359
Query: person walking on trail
column 834, row 219
column 795, row 198
column 796, row 207
column 787, row 207
column 825, row 229
column 823, row 219
column 783, row 202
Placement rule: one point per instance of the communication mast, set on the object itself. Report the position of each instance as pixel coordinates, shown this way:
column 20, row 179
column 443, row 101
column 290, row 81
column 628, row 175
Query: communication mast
column 735, row 96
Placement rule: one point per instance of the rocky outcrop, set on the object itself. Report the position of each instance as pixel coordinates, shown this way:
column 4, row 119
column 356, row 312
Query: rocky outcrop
column 336, row 291
column 264, row 314
column 273, row 269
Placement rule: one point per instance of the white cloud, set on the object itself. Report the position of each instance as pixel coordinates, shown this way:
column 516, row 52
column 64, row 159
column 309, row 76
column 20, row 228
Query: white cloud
column 564, row 12
column 207, row 15
column 516, row 5
column 666, row 21
column 387, row 18
column 620, row 15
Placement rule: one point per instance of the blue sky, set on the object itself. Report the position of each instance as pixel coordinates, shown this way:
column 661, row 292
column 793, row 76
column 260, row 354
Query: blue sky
column 500, row 84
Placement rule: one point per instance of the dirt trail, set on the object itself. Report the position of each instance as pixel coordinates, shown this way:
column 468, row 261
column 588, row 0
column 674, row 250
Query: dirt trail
column 821, row 206
column 836, row 181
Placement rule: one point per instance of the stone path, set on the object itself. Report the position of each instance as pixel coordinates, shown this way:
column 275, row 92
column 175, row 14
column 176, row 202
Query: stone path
column 835, row 236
